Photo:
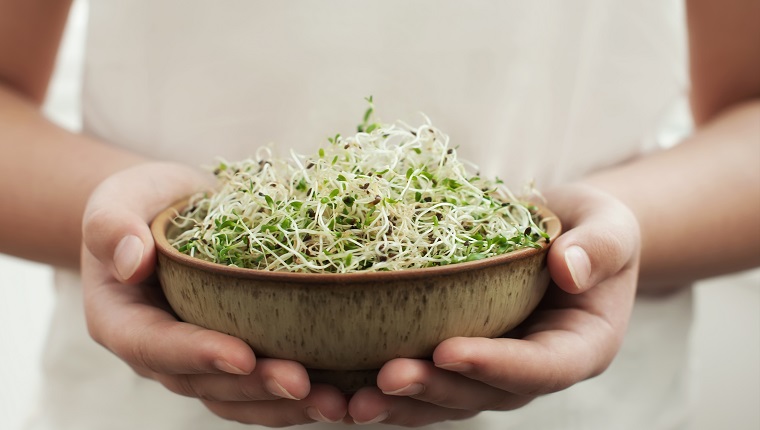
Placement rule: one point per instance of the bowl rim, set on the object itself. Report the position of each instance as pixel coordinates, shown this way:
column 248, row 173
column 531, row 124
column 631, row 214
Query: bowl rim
column 161, row 222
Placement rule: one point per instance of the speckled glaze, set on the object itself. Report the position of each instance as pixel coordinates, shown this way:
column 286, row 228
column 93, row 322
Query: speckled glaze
column 345, row 326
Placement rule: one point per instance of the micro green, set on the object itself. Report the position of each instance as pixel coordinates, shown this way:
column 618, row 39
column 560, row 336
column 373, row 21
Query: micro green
column 391, row 197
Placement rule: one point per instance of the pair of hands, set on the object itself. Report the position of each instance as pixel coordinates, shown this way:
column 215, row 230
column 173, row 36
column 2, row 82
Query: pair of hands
column 572, row 336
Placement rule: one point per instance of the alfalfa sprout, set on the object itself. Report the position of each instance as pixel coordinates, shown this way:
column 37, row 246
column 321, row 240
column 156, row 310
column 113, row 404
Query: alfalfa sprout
column 389, row 197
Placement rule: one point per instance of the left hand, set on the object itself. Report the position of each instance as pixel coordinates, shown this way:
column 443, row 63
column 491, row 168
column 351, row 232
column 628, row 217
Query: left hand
column 573, row 335
column 127, row 314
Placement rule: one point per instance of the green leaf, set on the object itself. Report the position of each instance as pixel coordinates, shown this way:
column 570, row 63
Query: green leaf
column 334, row 140
column 475, row 256
column 227, row 224
column 269, row 227
column 186, row 247
column 451, row 184
column 368, row 220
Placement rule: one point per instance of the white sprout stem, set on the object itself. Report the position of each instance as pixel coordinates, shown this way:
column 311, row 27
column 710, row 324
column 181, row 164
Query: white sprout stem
column 388, row 198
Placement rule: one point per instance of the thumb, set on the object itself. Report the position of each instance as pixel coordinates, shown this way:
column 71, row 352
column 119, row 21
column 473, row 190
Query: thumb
column 602, row 238
column 115, row 223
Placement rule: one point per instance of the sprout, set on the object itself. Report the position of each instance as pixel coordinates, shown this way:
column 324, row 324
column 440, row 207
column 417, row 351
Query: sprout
column 390, row 197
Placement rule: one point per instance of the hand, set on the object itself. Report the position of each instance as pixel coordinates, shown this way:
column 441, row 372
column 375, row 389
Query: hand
column 134, row 322
column 573, row 335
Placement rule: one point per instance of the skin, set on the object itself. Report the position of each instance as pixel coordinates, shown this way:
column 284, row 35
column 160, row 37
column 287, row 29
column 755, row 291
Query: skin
column 628, row 220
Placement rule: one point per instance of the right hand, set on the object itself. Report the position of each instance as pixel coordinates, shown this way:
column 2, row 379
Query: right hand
column 572, row 336
column 127, row 313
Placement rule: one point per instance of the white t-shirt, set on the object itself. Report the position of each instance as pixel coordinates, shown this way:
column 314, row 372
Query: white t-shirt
column 546, row 90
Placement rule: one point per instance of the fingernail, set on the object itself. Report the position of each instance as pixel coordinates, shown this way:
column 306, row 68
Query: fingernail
column 278, row 390
column 228, row 368
column 459, row 366
column 128, row 255
column 410, row 390
column 316, row 415
column 381, row 417
column 579, row 265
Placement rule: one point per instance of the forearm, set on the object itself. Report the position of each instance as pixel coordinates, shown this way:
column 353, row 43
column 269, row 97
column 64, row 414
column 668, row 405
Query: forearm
column 698, row 204
column 46, row 176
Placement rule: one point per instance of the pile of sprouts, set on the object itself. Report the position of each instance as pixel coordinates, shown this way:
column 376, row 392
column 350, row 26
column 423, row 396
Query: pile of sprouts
column 390, row 197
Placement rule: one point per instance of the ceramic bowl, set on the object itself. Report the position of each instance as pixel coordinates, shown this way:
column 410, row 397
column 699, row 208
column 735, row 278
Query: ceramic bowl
column 343, row 327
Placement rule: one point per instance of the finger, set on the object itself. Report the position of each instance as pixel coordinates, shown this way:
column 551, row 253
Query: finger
column 562, row 346
column 115, row 224
column 369, row 406
column 515, row 365
column 601, row 238
column 272, row 379
column 421, row 380
column 125, row 321
column 543, row 362
column 324, row 404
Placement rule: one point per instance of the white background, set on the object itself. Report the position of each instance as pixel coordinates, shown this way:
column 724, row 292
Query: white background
column 726, row 335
